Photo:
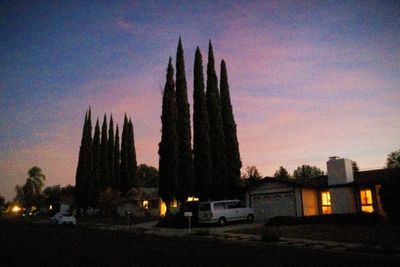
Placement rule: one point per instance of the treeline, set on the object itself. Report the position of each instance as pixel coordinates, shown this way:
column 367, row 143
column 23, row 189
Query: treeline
column 212, row 169
column 104, row 162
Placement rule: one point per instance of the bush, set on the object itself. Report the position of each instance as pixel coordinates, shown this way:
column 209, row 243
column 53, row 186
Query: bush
column 354, row 218
column 270, row 236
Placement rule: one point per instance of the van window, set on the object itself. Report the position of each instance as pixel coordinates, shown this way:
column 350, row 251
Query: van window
column 204, row 207
column 219, row 206
column 231, row 205
column 240, row 205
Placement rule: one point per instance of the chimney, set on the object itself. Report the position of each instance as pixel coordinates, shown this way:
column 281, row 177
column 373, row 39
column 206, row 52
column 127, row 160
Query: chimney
column 340, row 171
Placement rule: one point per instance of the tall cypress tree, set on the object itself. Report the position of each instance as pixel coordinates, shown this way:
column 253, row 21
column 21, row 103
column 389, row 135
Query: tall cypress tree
column 201, row 137
column 168, row 147
column 103, row 155
column 84, row 172
column 117, row 161
column 96, row 164
column 80, row 170
column 217, row 139
column 132, row 163
column 231, row 142
column 185, row 178
column 89, row 160
column 110, row 151
column 124, row 169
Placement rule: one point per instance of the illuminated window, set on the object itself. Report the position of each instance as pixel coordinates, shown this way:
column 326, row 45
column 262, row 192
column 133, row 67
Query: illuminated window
column 174, row 204
column 366, row 200
column 192, row 198
column 145, row 204
column 326, row 202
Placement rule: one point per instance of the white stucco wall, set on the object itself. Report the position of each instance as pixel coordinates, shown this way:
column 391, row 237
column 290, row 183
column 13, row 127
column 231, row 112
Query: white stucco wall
column 342, row 200
column 298, row 202
column 340, row 171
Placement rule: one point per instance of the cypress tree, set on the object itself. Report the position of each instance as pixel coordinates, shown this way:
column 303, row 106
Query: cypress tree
column 84, row 172
column 217, row 140
column 185, row 178
column 132, row 163
column 103, row 155
column 124, row 169
column 168, row 149
column 80, row 170
column 117, row 157
column 231, row 142
column 110, row 151
column 201, row 138
column 96, row 164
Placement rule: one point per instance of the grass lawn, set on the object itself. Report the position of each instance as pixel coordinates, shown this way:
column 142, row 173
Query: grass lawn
column 365, row 234
column 44, row 245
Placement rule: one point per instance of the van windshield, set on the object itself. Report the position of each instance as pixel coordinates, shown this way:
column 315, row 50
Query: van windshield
column 204, row 207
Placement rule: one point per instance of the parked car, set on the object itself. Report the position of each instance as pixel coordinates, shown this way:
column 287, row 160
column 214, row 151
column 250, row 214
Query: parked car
column 224, row 211
column 63, row 218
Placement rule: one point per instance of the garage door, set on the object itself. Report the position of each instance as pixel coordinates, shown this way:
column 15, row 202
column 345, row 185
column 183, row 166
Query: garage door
column 277, row 204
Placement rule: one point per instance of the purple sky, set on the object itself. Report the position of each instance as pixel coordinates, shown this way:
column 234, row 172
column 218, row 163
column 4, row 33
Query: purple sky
column 308, row 79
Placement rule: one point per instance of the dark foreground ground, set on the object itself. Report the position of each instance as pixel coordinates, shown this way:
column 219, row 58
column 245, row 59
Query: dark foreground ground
column 44, row 245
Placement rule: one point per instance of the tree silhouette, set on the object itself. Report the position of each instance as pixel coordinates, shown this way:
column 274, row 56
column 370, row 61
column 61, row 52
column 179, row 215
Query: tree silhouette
column 234, row 163
column 185, row 180
column 217, row 140
column 393, row 159
column 168, row 148
column 30, row 193
column 201, row 137
column 282, row 174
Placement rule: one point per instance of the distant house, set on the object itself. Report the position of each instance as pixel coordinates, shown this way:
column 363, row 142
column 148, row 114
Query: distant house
column 339, row 192
column 143, row 201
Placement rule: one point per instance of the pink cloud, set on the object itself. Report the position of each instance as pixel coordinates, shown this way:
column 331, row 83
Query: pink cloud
column 125, row 25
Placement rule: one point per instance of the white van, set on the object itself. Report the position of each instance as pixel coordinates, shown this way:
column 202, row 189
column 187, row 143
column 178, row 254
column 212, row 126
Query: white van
column 223, row 211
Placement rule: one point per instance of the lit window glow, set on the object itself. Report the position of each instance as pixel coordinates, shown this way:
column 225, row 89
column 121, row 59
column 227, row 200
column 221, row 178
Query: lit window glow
column 326, row 202
column 145, row 204
column 366, row 201
column 163, row 208
column 192, row 198
column 16, row 209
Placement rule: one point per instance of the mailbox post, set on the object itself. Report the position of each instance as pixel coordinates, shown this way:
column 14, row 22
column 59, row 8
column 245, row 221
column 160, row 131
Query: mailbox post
column 189, row 215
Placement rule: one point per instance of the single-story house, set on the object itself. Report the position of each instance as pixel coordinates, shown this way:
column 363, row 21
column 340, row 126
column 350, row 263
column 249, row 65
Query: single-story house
column 142, row 201
column 338, row 192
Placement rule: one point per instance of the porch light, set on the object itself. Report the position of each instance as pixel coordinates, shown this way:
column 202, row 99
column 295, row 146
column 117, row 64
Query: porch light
column 16, row 209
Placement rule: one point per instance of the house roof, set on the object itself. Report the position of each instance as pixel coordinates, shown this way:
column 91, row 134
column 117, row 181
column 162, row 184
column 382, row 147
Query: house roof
column 376, row 176
column 360, row 178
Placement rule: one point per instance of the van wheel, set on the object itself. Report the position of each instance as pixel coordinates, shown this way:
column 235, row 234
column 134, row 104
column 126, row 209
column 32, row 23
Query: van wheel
column 222, row 221
column 250, row 218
